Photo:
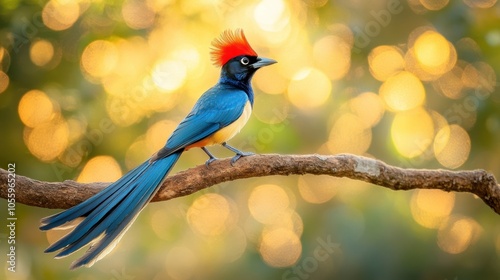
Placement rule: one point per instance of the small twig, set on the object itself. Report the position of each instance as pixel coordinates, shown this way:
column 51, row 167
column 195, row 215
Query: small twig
column 68, row 193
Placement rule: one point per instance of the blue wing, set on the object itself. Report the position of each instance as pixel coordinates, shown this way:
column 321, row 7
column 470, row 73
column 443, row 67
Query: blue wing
column 208, row 116
column 109, row 213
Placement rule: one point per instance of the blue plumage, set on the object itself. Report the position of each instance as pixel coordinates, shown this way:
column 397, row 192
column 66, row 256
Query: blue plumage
column 109, row 212
column 216, row 108
column 215, row 118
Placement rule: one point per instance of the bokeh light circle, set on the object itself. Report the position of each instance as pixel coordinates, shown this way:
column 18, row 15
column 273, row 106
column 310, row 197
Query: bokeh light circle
column 452, row 146
column 434, row 53
column 48, row 140
column 430, row 208
column 403, row 91
column 332, row 55
column 385, row 61
column 35, row 107
column 211, row 215
column 60, row 15
column 456, row 234
column 267, row 202
column 412, row 132
column 41, row 52
column 309, row 88
column 280, row 247
column 100, row 169
column 349, row 134
column 99, row 58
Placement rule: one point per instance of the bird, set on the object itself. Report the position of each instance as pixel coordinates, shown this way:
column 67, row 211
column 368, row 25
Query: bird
column 217, row 116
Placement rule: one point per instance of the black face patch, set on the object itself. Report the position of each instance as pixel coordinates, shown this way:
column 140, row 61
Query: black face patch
column 240, row 67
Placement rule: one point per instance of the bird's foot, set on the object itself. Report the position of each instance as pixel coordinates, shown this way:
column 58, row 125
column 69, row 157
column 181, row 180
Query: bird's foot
column 210, row 160
column 240, row 155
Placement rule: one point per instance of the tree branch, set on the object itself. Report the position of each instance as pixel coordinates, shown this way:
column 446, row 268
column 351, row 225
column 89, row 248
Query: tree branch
column 68, row 193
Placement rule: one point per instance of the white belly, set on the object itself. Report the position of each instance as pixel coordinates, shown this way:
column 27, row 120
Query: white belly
column 231, row 130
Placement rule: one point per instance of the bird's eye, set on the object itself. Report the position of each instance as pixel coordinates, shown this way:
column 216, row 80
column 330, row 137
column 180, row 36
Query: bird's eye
column 245, row 61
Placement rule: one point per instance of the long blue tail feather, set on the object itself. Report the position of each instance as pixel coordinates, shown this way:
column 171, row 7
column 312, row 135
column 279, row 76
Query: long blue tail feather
column 116, row 229
column 101, row 207
column 88, row 205
column 109, row 213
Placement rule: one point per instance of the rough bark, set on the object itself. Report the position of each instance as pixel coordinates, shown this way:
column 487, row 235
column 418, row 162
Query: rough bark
column 68, row 193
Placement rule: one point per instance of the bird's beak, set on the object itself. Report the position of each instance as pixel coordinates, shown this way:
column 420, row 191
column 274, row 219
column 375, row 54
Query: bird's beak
column 262, row 61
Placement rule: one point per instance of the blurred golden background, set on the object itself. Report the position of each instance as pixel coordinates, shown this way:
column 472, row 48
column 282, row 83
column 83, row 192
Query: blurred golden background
column 91, row 88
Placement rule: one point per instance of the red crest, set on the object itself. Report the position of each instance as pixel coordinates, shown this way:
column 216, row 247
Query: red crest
column 230, row 44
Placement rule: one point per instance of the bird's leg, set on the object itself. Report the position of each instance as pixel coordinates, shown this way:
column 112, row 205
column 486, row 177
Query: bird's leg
column 239, row 153
column 212, row 157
